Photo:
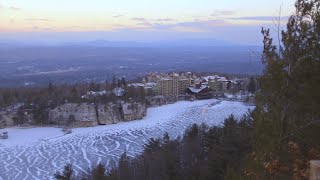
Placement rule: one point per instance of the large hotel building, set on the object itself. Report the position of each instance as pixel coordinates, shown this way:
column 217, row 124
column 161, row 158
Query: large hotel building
column 174, row 84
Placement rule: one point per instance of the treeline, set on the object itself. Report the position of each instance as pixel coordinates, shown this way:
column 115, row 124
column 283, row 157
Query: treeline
column 201, row 153
column 58, row 94
column 37, row 101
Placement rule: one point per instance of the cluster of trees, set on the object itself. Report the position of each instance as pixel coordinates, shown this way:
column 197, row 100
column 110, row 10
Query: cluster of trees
column 202, row 153
column 282, row 137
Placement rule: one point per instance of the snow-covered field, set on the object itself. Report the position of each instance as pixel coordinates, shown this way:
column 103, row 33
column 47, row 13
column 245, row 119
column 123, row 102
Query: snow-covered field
column 37, row 153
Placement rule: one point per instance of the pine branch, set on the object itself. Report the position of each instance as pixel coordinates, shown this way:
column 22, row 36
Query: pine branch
column 299, row 129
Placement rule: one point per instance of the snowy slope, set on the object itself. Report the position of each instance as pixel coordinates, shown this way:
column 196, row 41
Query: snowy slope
column 37, row 153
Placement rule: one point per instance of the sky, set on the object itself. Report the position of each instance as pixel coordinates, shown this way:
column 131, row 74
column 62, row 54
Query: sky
column 139, row 20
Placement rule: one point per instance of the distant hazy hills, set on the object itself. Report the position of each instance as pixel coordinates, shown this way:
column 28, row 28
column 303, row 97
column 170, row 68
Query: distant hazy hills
column 107, row 43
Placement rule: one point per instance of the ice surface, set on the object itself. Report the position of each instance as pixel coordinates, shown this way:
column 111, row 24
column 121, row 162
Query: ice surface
column 37, row 153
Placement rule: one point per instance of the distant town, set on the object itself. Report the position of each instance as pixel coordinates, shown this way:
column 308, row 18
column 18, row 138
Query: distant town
column 186, row 86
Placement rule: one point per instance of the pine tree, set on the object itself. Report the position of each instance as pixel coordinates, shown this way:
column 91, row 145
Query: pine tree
column 114, row 81
column 99, row 173
column 67, row 173
column 123, row 82
column 252, row 85
column 119, row 84
column 124, row 167
column 287, row 106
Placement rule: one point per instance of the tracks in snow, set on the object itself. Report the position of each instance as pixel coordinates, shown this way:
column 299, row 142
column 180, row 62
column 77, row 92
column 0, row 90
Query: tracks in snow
column 86, row 150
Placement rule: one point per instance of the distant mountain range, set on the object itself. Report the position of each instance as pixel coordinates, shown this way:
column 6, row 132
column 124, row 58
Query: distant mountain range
column 106, row 43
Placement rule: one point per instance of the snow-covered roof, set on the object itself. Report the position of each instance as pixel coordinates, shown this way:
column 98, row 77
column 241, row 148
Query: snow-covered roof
column 151, row 84
column 195, row 90
column 93, row 93
column 166, row 79
column 210, row 77
column 136, row 85
column 118, row 91
column 99, row 93
column 222, row 79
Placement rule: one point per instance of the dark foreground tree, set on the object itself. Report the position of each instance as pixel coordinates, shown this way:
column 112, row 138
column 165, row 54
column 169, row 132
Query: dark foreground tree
column 99, row 173
column 252, row 87
column 287, row 116
column 67, row 173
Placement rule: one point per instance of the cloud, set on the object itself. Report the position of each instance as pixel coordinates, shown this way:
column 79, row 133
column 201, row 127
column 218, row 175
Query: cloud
column 118, row 16
column 165, row 20
column 151, row 22
column 187, row 26
column 37, row 19
column 188, row 29
column 259, row 18
column 14, row 8
column 223, row 13
column 138, row 19
column 203, row 23
column 145, row 23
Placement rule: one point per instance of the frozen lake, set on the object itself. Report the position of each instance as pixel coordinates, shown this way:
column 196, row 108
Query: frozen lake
column 37, row 153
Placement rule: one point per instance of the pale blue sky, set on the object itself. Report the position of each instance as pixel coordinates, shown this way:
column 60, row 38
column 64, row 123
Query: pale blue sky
column 139, row 20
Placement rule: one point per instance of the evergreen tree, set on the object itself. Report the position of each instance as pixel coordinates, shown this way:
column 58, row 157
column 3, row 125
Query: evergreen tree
column 74, row 93
column 124, row 167
column 119, row 84
column 50, row 88
column 67, row 173
column 107, row 84
column 252, row 85
column 123, row 82
column 287, row 106
column 114, row 81
column 99, row 173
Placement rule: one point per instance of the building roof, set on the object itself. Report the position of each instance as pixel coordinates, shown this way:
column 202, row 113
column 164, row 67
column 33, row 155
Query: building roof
column 118, row 91
column 151, row 84
column 136, row 85
column 166, row 79
column 195, row 90
column 222, row 79
column 211, row 77
column 98, row 93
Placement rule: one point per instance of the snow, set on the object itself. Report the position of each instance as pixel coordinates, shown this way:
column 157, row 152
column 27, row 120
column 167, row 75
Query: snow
column 37, row 153
column 118, row 91
column 207, row 78
column 137, row 84
column 29, row 136
column 195, row 90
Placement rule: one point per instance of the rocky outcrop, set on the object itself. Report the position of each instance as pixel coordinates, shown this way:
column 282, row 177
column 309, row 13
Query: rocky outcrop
column 157, row 101
column 133, row 111
column 108, row 114
column 77, row 114
column 91, row 115
column 160, row 100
